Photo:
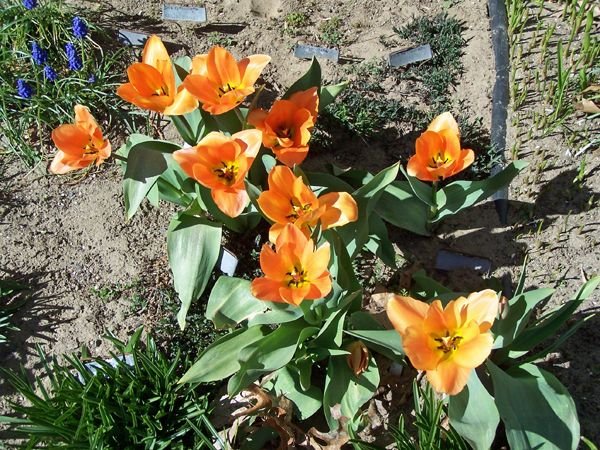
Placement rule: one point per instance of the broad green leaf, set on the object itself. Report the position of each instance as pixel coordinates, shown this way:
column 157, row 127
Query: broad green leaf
column 331, row 333
column 473, row 414
column 519, row 310
column 220, row 359
column 306, row 402
column 269, row 354
column 346, row 389
column 145, row 163
column 399, row 206
column 422, row 190
column 184, row 128
column 277, row 313
column 379, row 242
column 310, row 79
column 427, row 288
column 340, row 265
column 522, row 277
column 193, row 246
column 547, row 326
column 386, row 342
column 231, row 302
column 463, row 194
column 536, row 409
column 327, row 94
column 324, row 182
column 377, row 184
column 231, row 122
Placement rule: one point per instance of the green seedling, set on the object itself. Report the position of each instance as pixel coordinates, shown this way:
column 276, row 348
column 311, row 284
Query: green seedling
column 329, row 32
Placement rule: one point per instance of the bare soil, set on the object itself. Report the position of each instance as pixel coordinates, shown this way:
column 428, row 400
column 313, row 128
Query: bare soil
column 66, row 237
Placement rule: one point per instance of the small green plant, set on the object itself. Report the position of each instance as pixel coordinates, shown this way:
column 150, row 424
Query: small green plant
column 295, row 22
column 444, row 34
column 10, row 301
column 104, row 405
column 51, row 59
column 330, row 33
column 431, row 434
column 220, row 39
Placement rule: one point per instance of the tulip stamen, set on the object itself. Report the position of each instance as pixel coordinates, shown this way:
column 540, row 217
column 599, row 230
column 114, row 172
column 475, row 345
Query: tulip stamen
column 225, row 89
column 297, row 278
column 448, row 343
column 228, row 173
column 298, row 210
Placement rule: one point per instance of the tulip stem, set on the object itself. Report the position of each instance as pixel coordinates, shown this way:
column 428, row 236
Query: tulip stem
column 433, row 210
column 241, row 118
column 119, row 157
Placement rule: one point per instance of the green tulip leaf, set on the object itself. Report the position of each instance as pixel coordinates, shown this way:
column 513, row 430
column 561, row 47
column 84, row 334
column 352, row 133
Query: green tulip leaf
column 231, row 302
column 473, row 414
column 193, row 246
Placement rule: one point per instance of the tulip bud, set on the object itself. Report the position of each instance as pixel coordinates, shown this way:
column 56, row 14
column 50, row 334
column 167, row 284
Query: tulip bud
column 358, row 359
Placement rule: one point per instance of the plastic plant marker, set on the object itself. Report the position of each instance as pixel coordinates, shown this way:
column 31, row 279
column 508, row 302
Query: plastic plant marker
column 186, row 13
column 405, row 57
column 447, row 261
column 132, row 38
column 308, row 51
column 227, row 262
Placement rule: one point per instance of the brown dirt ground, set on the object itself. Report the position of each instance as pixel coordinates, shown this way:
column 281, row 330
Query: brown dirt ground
column 66, row 237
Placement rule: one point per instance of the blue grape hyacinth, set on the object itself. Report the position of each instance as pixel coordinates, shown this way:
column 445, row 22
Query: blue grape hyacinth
column 38, row 54
column 50, row 73
column 29, row 4
column 80, row 29
column 23, row 89
column 74, row 59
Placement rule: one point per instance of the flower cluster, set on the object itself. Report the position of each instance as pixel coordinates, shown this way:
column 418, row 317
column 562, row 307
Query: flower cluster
column 80, row 29
column 50, row 73
column 38, row 54
column 75, row 63
column 24, row 90
column 29, row 4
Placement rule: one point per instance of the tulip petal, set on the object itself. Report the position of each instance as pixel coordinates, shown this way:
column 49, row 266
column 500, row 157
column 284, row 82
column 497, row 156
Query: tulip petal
column 435, row 322
column 319, row 287
column 266, row 289
column 231, row 203
column 251, row 67
column 257, row 117
column 416, row 168
column 71, row 139
column 199, row 65
column 146, row 79
column 483, row 308
column 291, row 156
column 183, row 103
column 308, row 99
column 448, row 377
column 272, row 264
column 405, row 312
column 466, row 158
column 252, row 139
column 154, row 51
column 444, row 121
column 340, row 209
column 417, row 346
column 222, row 68
column 473, row 352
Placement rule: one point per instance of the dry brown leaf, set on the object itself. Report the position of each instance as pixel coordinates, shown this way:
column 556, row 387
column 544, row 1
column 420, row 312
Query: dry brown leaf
column 587, row 106
column 592, row 88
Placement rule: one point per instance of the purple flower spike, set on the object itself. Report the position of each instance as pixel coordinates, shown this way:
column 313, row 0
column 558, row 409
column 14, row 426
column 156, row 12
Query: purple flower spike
column 29, row 4
column 38, row 54
column 80, row 29
column 74, row 59
column 50, row 74
column 23, row 89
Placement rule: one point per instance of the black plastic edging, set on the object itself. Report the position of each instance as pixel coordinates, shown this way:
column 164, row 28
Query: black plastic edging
column 500, row 95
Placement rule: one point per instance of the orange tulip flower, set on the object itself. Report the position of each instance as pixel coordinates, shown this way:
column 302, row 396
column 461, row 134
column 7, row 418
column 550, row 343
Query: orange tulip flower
column 446, row 342
column 287, row 126
column 152, row 83
column 79, row 144
column 220, row 82
column 438, row 154
column 220, row 163
column 289, row 200
column 294, row 271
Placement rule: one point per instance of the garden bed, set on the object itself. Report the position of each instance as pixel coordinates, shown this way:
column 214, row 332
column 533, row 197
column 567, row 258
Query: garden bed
column 86, row 267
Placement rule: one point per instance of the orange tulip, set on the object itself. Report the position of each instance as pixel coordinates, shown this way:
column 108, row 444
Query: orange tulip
column 289, row 200
column 220, row 163
column 220, row 82
column 446, row 342
column 79, row 144
column 286, row 127
column 294, row 271
column 438, row 154
column 152, row 83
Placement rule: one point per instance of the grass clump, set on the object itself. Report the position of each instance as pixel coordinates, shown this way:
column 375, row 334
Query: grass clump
column 330, row 33
column 10, row 302
column 444, row 34
column 112, row 406
column 295, row 22
column 50, row 60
